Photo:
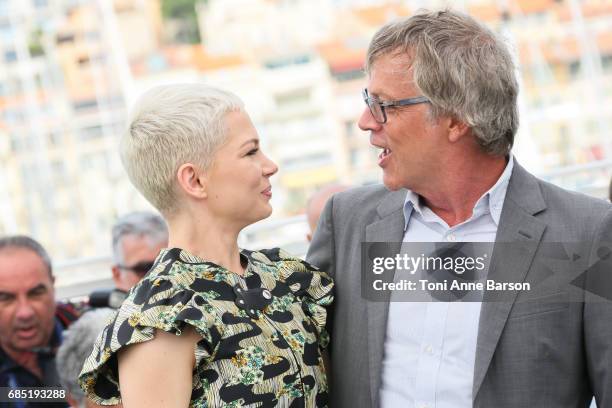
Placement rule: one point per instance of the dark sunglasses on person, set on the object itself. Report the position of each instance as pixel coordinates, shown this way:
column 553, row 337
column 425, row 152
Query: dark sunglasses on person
column 140, row 268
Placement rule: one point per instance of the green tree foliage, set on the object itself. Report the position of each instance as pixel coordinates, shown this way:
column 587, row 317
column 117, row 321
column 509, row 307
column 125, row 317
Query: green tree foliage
column 183, row 12
column 35, row 46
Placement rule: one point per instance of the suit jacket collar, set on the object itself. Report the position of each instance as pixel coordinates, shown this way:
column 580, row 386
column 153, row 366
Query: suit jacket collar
column 510, row 263
column 524, row 190
column 391, row 202
column 388, row 227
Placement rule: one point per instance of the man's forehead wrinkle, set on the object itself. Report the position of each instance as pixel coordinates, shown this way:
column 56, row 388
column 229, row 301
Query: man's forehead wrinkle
column 401, row 76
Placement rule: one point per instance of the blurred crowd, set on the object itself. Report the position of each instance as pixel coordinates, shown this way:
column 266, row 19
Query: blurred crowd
column 43, row 343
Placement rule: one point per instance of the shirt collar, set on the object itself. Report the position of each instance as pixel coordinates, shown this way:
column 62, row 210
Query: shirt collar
column 491, row 201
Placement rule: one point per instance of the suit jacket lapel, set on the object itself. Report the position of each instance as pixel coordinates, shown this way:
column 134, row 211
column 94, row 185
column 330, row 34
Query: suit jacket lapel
column 521, row 232
column 388, row 228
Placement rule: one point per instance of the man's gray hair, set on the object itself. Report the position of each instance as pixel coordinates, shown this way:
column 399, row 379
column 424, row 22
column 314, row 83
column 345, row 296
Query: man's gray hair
column 141, row 224
column 78, row 341
column 464, row 69
column 25, row 242
column 172, row 125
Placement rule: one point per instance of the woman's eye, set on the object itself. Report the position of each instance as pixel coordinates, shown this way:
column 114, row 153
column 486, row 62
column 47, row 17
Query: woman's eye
column 252, row 152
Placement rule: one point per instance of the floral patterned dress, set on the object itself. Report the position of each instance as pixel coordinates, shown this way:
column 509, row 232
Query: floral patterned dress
column 262, row 333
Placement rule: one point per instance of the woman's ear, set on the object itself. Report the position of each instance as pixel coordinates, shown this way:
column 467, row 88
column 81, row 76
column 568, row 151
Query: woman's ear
column 192, row 180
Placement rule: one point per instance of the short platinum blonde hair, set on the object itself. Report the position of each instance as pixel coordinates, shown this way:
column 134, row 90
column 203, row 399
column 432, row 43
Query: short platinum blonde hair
column 464, row 69
column 169, row 126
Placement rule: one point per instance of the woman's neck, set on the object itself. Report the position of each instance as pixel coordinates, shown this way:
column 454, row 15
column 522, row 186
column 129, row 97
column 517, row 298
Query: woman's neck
column 207, row 239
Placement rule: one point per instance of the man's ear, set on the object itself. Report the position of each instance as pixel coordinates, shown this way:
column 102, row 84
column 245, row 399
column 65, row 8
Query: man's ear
column 457, row 129
column 116, row 275
column 192, row 180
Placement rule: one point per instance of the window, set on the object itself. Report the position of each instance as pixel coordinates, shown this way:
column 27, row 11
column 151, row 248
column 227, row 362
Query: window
column 349, row 129
column 574, row 69
column 298, row 97
column 10, row 56
column 348, row 75
column 55, row 139
column 85, row 105
column 64, row 38
column 91, row 132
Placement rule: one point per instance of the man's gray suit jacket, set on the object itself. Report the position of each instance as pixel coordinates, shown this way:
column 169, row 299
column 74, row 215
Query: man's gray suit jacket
column 551, row 351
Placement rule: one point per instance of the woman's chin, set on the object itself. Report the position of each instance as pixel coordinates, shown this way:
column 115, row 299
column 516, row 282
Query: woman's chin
column 268, row 211
column 261, row 214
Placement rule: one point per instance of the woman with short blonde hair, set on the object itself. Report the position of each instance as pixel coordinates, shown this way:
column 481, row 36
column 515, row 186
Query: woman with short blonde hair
column 210, row 324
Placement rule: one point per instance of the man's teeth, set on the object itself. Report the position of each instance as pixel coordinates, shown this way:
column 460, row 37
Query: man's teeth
column 386, row 152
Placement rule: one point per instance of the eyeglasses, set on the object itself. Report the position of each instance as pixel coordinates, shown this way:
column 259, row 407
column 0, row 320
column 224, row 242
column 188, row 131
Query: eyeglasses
column 377, row 108
column 140, row 268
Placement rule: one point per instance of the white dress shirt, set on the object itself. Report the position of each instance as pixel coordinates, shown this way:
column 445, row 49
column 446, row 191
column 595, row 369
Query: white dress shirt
column 430, row 347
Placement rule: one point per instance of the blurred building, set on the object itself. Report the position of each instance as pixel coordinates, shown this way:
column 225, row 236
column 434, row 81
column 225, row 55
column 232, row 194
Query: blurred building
column 63, row 81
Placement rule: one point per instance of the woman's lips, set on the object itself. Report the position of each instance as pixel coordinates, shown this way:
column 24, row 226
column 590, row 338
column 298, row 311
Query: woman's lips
column 267, row 192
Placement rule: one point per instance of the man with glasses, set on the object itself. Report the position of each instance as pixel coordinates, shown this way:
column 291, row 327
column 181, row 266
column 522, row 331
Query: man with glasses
column 441, row 105
column 137, row 239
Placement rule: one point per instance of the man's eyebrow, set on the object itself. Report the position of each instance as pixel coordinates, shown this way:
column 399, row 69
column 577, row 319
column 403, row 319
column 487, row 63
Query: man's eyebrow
column 6, row 294
column 37, row 288
column 381, row 96
column 254, row 140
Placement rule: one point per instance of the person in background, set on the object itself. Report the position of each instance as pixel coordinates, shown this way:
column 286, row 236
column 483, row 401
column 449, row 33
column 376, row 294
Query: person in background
column 138, row 237
column 78, row 342
column 31, row 323
column 316, row 203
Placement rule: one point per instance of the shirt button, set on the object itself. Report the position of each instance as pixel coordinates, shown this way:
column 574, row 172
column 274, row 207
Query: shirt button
column 451, row 238
column 428, row 350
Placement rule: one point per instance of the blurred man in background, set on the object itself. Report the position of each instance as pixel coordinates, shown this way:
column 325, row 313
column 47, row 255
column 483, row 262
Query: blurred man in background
column 76, row 347
column 31, row 324
column 317, row 202
column 137, row 239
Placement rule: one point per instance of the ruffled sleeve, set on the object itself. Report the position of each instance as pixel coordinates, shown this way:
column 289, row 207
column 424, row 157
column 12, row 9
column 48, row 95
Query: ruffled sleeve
column 163, row 301
column 313, row 287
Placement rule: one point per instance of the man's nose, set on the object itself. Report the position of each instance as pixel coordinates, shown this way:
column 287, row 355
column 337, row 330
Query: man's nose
column 24, row 311
column 367, row 121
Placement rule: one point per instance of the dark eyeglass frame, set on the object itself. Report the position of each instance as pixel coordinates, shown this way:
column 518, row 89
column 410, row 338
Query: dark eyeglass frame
column 374, row 104
column 139, row 268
